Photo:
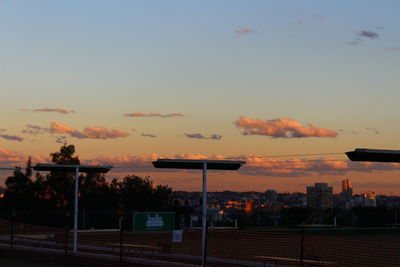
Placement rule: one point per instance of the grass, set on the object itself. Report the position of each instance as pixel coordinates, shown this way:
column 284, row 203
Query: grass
column 22, row 263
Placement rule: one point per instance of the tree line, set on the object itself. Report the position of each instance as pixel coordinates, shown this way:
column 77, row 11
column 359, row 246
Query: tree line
column 26, row 191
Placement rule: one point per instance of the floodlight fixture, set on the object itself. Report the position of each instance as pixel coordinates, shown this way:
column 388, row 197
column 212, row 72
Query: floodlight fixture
column 201, row 165
column 73, row 168
column 374, row 155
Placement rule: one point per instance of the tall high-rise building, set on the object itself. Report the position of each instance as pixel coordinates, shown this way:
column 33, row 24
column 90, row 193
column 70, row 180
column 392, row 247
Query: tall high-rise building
column 347, row 189
column 320, row 196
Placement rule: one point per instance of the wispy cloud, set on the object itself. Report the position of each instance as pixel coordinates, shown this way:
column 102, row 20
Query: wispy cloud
column 99, row 132
column 216, row 136
column 281, row 128
column 300, row 21
column 368, row 34
column 12, row 137
column 362, row 35
column 244, row 31
column 57, row 110
column 347, row 131
column 372, row 130
column 148, row 135
column 35, row 130
column 317, row 16
column 61, row 139
column 393, row 48
column 200, row 136
column 150, row 115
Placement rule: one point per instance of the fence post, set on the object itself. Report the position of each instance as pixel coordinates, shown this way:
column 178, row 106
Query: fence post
column 120, row 237
column 302, row 247
column 12, row 229
column 66, row 232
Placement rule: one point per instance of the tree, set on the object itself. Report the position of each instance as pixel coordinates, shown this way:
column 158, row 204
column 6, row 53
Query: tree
column 58, row 185
column 19, row 193
column 137, row 193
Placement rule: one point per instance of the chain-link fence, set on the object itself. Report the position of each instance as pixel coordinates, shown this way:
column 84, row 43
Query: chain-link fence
column 225, row 246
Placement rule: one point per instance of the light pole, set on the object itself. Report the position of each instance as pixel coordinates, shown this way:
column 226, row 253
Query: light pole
column 71, row 169
column 203, row 165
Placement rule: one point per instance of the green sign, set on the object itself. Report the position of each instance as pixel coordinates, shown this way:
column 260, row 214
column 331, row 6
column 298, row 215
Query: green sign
column 151, row 221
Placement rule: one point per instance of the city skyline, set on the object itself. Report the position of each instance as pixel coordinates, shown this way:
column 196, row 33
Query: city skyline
column 129, row 82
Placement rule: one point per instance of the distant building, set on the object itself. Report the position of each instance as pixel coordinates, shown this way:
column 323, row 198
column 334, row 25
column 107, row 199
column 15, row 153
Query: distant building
column 250, row 205
column 2, row 192
column 347, row 189
column 369, row 199
column 320, row 196
column 271, row 196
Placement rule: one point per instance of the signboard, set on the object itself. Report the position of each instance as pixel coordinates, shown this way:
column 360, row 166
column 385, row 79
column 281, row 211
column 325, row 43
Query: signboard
column 153, row 221
column 177, row 236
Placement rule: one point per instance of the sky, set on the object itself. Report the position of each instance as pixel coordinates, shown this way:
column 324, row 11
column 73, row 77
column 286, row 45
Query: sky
column 268, row 82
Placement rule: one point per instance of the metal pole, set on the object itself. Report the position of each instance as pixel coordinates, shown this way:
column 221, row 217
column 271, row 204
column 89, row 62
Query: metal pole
column 76, row 208
column 204, row 217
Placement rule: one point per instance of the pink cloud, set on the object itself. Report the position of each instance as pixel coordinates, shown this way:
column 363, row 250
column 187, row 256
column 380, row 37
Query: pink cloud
column 281, row 128
column 16, row 158
column 57, row 110
column 159, row 115
column 256, row 165
column 99, row 132
column 243, row 31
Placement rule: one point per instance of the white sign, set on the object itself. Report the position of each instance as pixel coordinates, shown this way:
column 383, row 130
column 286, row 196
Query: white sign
column 177, row 236
column 155, row 221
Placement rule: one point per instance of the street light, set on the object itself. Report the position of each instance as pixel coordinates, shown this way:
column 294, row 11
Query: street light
column 375, row 155
column 76, row 169
column 204, row 165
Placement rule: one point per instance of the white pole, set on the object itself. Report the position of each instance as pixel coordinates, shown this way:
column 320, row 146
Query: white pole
column 204, row 217
column 76, row 208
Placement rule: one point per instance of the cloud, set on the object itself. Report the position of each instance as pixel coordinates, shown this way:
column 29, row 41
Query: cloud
column 363, row 35
column 368, row 34
column 12, row 137
column 61, row 140
column 346, row 131
column 99, row 132
column 59, row 128
column 318, row 16
column 148, row 135
column 140, row 114
column 17, row 158
column 372, row 130
column 244, row 31
column 196, row 136
column 57, row 110
column 281, row 128
column 35, row 129
column 300, row 21
column 200, row 136
column 393, row 48
column 255, row 165
column 216, row 137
